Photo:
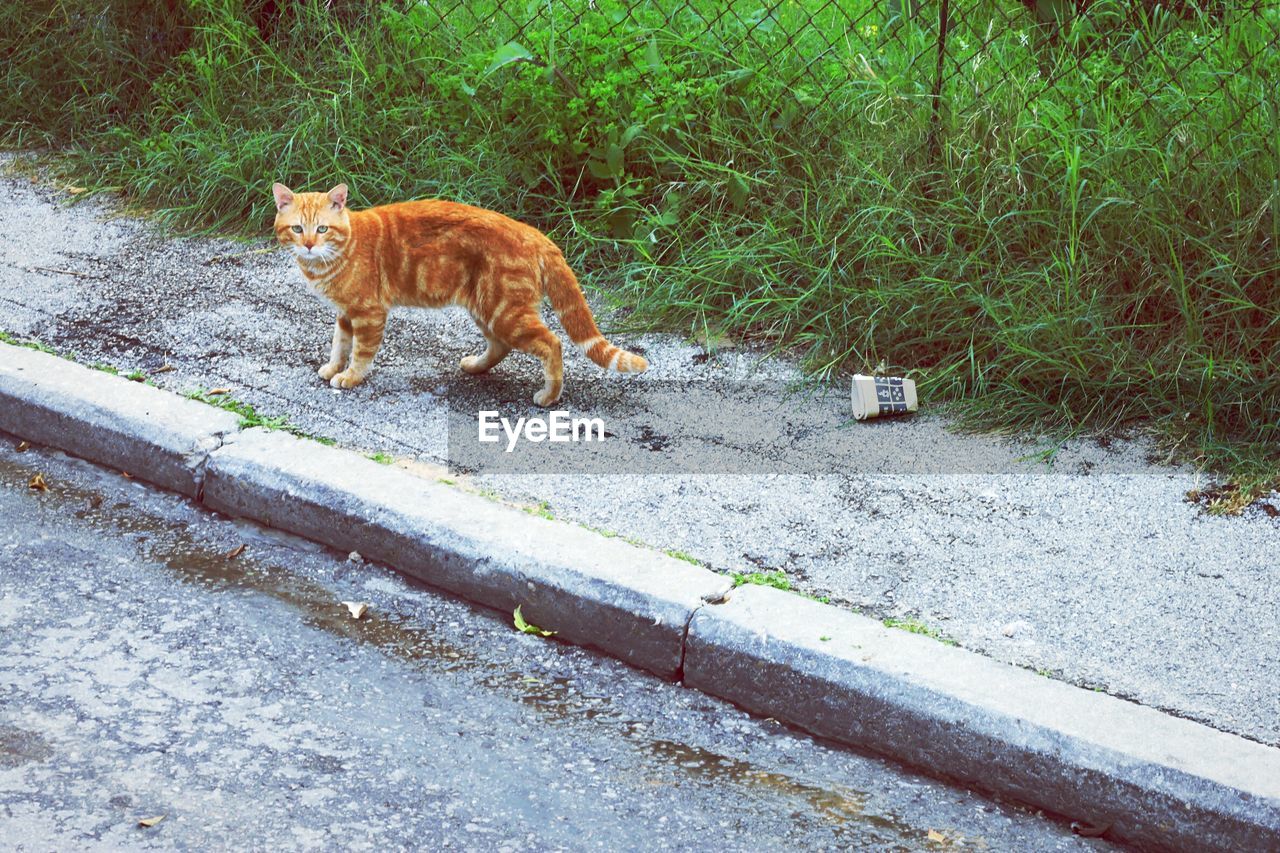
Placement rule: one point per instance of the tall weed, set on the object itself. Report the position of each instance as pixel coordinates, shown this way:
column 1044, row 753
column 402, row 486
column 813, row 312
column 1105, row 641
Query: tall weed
column 1091, row 242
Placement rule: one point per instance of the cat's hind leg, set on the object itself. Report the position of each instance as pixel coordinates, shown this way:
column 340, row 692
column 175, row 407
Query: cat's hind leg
column 527, row 333
column 366, row 328
column 496, row 352
column 341, row 349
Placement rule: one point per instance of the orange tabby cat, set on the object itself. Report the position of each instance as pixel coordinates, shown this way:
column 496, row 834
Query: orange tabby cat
column 432, row 254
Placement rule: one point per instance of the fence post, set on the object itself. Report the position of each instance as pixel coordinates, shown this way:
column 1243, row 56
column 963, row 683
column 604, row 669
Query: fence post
column 944, row 25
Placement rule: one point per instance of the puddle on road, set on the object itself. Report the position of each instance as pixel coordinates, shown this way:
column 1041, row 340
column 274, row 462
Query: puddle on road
column 19, row 746
column 554, row 699
column 837, row 806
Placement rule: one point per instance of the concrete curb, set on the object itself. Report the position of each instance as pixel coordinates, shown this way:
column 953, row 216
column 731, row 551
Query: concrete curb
column 631, row 602
column 153, row 434
column 1156, row 780
column 1159, row 781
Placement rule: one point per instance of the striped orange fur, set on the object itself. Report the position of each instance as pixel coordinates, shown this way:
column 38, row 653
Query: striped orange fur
column 433, row 254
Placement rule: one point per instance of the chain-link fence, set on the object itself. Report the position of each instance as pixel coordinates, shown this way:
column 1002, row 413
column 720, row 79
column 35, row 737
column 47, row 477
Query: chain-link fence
column 947, row 58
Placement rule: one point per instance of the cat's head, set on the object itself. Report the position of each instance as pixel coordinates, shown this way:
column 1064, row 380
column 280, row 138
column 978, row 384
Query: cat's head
column 314, row 225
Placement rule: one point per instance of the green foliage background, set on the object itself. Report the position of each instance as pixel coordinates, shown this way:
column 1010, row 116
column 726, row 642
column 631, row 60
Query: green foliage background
column 1076, row 256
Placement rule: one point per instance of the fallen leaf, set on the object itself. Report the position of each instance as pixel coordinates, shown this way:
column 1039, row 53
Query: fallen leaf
column 934, row 835
column 126, row 475
column 213, row 392
column 357, row 608
column 1267, row 508
column 527, row 628
column 150, row 821
column 37, row 482
column 75, row 190
column 236, row 551
column 23, row 446
column 164, row 369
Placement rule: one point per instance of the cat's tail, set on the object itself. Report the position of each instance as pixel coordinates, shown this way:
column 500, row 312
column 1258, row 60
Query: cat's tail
column 561, row 287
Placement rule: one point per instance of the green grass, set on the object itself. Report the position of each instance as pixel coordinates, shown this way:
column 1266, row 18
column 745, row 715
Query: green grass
column 542, row 510
column 613, row 534
column 41, row 346
column 132, row 375
column 251, row 417
column 915, row 626
column 27, row 343
column 381, row 458
column 1071, row 259
column 775, row 579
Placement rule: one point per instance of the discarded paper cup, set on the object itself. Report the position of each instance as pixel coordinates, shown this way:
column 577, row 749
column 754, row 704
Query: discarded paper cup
column 878, row 396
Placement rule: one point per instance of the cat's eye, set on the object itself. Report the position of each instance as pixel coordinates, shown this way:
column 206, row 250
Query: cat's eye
column 297, row 229
column 321, row 229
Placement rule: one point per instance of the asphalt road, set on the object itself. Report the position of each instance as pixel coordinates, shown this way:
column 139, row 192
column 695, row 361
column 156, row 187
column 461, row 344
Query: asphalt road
column 146, row 673
column 1094, row 570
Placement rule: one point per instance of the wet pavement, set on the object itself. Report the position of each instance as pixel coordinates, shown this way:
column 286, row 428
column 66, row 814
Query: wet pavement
column 150, row 666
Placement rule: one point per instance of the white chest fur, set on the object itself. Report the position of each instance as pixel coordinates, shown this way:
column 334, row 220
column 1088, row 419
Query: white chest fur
column 315, row 284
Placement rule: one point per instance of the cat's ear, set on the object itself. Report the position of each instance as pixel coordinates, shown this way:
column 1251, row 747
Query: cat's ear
column 284, row 195
column 338, row 195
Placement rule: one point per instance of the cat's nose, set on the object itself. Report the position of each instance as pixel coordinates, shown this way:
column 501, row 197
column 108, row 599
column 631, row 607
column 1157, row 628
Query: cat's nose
column 311, row 245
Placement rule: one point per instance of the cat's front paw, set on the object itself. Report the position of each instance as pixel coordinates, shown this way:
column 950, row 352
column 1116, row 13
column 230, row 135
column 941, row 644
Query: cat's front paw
column 474, row 364
column 346, row 379
column 327, row 371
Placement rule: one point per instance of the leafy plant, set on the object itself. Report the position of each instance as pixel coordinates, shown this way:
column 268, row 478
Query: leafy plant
column 1089, row 246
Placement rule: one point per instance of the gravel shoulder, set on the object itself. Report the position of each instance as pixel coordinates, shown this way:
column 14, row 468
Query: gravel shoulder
column 1095, row 569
